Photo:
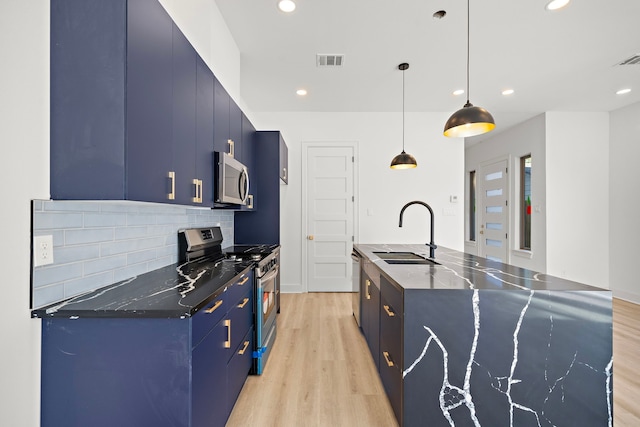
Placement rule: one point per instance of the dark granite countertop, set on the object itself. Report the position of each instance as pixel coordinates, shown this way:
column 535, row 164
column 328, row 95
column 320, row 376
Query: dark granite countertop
column 177, row 290
column 458, row 270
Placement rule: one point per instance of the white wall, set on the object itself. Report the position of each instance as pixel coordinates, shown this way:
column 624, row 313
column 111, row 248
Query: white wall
column 624, row 203
column 382, row 191
column 577, row 196
column 24, row 168
column 526, row 138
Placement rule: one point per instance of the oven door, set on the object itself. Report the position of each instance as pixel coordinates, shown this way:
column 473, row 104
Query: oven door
column 266, row 301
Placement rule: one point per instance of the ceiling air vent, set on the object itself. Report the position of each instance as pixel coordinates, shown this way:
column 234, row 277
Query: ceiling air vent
column 633, row 60
column 336, row 60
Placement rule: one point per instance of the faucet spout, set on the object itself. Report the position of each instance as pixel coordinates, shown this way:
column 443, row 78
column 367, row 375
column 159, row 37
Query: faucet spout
column 431, row 244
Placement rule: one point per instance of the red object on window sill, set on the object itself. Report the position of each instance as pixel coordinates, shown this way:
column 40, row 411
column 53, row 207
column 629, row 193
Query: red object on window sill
column 528, row 210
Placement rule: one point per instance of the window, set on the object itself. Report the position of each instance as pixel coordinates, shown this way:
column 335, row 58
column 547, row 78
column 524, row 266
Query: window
column 472, row 206
column 525, row 202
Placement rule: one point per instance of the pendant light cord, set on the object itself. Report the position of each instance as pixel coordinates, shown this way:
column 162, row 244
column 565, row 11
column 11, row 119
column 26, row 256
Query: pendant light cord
column 403, row 111
column 468, row 49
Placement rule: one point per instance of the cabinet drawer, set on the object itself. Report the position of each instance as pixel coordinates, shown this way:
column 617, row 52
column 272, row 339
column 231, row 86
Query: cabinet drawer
column 207, row 317
column 241, row 318
column 391, row 376
column 391, row 330
column 238, row 288
column 393, row 295
column 238, row 367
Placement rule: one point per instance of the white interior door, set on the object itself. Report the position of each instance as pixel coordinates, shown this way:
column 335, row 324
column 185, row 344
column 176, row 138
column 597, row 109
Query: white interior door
column 329, row 224
column 494, row 214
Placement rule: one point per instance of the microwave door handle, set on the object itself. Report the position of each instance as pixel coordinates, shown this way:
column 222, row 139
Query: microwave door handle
column 244, row 185
column 273, row 273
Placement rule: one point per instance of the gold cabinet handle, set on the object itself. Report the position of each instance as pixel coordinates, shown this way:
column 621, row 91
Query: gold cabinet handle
column 389, row 312
column 231, row 148
column 368, row 282
column 172, row 177
column 386, row 358
column 214, row 307
column 250, row 204
column 198, row 190
column 284, row 173
column 243, row 303
column 227, row 323
column 243, row 281
column 246, row 344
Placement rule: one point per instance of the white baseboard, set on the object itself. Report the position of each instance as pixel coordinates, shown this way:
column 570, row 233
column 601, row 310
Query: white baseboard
column 292, row 289
column 627, row 296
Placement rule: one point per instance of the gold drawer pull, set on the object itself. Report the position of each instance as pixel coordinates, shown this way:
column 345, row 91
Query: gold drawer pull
column 246, row 344
column 227, row 343
column 389, row 312
column 386, row 358
column 243, row 281
column 215, row 306
column 243, row 303
column 368, row 295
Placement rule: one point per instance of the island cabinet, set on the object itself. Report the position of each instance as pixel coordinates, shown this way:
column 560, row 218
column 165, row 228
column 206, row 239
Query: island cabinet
column 370, row 308
column 467, row 341
column 129, row 118
column 263, row 224
column 391, row 344
column 148, row 371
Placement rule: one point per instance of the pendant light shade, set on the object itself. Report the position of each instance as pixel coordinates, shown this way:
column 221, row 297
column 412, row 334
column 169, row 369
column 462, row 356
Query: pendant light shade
column 403, row 160
column 469, row 120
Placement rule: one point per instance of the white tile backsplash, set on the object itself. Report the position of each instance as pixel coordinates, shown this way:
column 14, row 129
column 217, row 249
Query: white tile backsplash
column 96, row 243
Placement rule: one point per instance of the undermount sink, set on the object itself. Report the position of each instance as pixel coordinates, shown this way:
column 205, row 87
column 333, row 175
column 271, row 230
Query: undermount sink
column 404, row 258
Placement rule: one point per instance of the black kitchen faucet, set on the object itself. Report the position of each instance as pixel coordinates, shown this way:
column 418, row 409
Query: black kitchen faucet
column 432, row 245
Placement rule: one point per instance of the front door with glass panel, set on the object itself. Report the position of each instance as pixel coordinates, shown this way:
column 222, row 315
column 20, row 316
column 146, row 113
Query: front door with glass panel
column 494, row 212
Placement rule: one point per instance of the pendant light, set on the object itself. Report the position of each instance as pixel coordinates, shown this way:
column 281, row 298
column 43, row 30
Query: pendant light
column 403, row 160
column 469, row 120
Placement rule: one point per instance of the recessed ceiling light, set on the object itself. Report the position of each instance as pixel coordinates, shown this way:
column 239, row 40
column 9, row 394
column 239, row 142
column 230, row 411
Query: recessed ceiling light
column 439, row 14
column 458, row 92
column 623, row 91
column 286, row 6
column 301, row 92
column 556, row 4
column 508, row 92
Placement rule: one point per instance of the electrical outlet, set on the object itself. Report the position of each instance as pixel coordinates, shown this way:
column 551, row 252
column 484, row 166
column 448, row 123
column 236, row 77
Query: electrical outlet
column 42, row 250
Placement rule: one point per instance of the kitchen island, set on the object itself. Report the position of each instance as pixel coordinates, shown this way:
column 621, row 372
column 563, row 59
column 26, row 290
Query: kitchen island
column 467, row 341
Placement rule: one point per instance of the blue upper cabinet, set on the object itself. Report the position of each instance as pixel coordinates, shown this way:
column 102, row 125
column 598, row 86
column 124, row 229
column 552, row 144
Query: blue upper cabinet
column 263, row 225
column 149, row 106
column 183, row 153
column 87, row 148
column 227, row 123
column 205, row 85
column 131, row 105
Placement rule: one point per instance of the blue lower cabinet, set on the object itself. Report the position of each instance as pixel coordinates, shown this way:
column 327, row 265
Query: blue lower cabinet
column 239, row 367
column 152, row 372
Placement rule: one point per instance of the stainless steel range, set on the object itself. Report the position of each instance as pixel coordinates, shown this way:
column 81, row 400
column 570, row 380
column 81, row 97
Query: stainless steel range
column 267, row 296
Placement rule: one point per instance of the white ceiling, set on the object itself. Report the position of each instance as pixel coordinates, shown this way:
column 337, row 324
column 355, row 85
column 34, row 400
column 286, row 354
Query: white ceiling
column 555, row 61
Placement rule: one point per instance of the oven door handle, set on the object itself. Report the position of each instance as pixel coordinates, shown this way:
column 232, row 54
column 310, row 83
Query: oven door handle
column 273, row 273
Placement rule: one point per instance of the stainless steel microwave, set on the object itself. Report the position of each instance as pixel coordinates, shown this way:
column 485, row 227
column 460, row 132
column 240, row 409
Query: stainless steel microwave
column 232, row 180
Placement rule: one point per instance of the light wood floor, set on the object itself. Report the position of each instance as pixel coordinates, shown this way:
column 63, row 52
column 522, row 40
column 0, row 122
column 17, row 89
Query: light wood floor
column 320, row 372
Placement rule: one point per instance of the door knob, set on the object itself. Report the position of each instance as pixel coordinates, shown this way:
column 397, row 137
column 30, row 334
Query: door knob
column 481, row 231
column 310, row 237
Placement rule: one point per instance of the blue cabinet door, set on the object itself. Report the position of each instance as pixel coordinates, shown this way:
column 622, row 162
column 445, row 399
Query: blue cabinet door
column 87, row 142
column 183, row 145
column 263, row 224
column 149, row 101
column 220, row 118
column 235, row 130
column 209, row 384
column 204, row 130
